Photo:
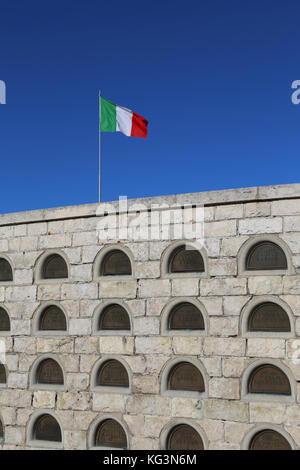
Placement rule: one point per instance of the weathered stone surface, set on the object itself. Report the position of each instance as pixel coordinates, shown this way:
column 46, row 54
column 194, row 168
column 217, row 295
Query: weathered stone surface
column 224, row 388
column 224, row 346
column 220, row 286
column 187, row 345
column 266, row 347
column 226, row 410
column 44, row 399
column 116, row 345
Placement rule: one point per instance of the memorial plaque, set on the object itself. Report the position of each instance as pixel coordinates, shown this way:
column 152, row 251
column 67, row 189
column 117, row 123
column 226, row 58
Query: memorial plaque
column 49, row 372
column 186, row 316
column 265, row 256
column 269, row 379
column 55, row 267
column 113, row 374
column 47, row 429
column 185, row 260
column 184, row 437
column 4, row 320
column 5, row 271
column 2, row 374
column 53, row 318
column 116, row 262
column 269, row 440
column 114, row 317
column 111, row 434
column 185, row 376
column 1, row 430
column 269, row 317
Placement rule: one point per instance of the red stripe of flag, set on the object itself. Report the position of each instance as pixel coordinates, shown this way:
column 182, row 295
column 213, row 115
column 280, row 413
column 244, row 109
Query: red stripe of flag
column 139, row 126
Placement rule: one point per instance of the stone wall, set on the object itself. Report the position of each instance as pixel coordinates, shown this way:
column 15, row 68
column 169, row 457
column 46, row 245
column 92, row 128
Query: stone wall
column 224, row 415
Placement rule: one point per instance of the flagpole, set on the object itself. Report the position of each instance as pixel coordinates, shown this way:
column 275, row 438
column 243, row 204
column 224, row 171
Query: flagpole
column 99, row 146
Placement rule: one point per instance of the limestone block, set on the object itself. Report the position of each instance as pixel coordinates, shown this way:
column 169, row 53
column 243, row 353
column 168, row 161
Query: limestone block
column 14, row 435
column 149, row 405
column 145, row 384
column 73, row 400
column 224, row 326
column 77, row 381
column 137, row 364
column 23, row 276
column 230, row 246
column 267, row 412
column 54, row 345
column 264, row 285
column 184, row 287
column 55, row 241
column 266, row 347
column 137, row 307
column 213, row 365
column 292, row 415
column 292, row 223
column 212, row 246
column 155, row 362
column 213, row 305
column 138, row 443
column 234, row 366
column 108, row 402
column 38, row 228
column 20, row 327
column 16, row 398
column 70, row 362
column 75, row 440
column 224, row 228
column 154, row 288
column 85, row 345
column 233, row 304
column 187, row 345
column 153, row 425
column 255, row 225
column 285, row 207
column 9, row 415
column 223, row 286
column 111, row 288
column 291, row 284
column 116, row 344
column 87, row 307
column 87, row 362
column 140, row 250
column 156, row 249
column 224, row 388
column 146, row 326
column 83, row 419
column 49, row 292
column 187, row 408
column 71, row 308
column 230, row 211
column 80, row 326
column 235, row 432
column 147, row 270
column 3, row 245
column 73, row 255
column 222, row 267
column 153, row 345
column 226, row 409
column 89, row 253
column 80, row 291
column 224, row 346
column 293, row 241
column 258, row 209
column 20, row 293
column 154, row 306
column 44, row 399
column 213, row 429
column 16, row 380
column 85, row 238
column 12, row 361
column 25, row 345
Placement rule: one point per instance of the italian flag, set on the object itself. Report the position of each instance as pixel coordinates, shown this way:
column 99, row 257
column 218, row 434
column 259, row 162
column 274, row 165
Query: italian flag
column 114, row 118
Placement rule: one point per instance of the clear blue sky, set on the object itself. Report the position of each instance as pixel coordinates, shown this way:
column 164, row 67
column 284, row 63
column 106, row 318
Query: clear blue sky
column 212, row 77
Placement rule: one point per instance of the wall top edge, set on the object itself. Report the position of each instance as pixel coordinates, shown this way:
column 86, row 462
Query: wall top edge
column 218, row 197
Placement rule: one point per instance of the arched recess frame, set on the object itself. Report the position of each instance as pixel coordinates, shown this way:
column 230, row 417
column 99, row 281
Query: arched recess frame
column 100, row 258
column 97, row 315
column 4, row 385
column 36, row 320
column 6, row 332
column 245, row 444
column 254, row 302
column 165, row 257
column 2, row 437
column 164, row 378
column 94, row 426
column 110, row 389
column 34, row 385
column 31, row 442
column 38, row 269
column 253, row 240
column 268, row 397
column 163, row 438
column 166, row 311
column 7, row 258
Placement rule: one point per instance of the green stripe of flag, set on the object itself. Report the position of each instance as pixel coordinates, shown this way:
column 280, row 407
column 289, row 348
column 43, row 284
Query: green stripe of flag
column 108, row 121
